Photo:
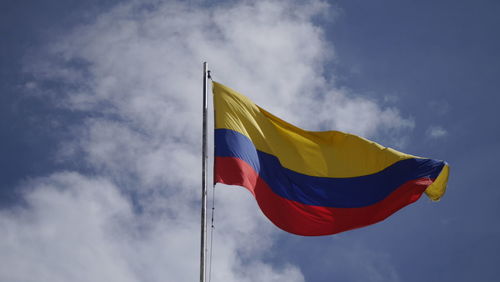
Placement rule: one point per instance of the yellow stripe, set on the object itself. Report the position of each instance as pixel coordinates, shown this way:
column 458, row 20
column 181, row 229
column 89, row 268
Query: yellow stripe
column 438, row 187
column 325, row 153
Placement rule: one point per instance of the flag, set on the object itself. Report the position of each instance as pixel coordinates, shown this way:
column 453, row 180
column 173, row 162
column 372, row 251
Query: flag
column 315, row 183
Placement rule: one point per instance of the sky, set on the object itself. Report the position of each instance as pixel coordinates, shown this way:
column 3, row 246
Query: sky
column 100, row 126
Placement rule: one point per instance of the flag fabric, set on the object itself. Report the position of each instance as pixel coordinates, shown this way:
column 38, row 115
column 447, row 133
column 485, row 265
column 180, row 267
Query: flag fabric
column 315, row 183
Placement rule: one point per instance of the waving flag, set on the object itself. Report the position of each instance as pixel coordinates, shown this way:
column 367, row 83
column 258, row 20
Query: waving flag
column 315, row 183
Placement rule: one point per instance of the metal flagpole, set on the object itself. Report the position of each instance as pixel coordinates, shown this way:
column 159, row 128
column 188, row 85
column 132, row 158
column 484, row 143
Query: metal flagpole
column 204, row 176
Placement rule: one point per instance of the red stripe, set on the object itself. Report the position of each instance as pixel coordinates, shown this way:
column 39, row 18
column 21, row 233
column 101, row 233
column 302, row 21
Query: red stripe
column 309, row 220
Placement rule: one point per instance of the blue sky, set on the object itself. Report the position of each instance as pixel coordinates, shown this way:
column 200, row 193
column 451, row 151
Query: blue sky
column 100, row 128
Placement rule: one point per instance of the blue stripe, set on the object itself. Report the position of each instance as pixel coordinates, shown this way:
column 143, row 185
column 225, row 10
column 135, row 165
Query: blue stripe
column 353, row 192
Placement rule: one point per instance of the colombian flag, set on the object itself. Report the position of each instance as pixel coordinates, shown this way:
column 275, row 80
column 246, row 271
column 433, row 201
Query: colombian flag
column 315, row 183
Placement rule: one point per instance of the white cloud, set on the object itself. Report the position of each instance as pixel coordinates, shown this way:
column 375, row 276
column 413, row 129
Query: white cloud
column 137, row 69
column 77, row 228
column 436, row 132
column 65, row 233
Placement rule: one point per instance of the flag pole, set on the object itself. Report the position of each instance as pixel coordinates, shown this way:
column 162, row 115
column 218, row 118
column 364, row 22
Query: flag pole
column 204, row 176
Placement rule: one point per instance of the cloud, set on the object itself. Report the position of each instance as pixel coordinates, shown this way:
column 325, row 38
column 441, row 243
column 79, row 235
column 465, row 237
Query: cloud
column 66, row 232
column 436, row 132
column 135, row 74
column 77, row 228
